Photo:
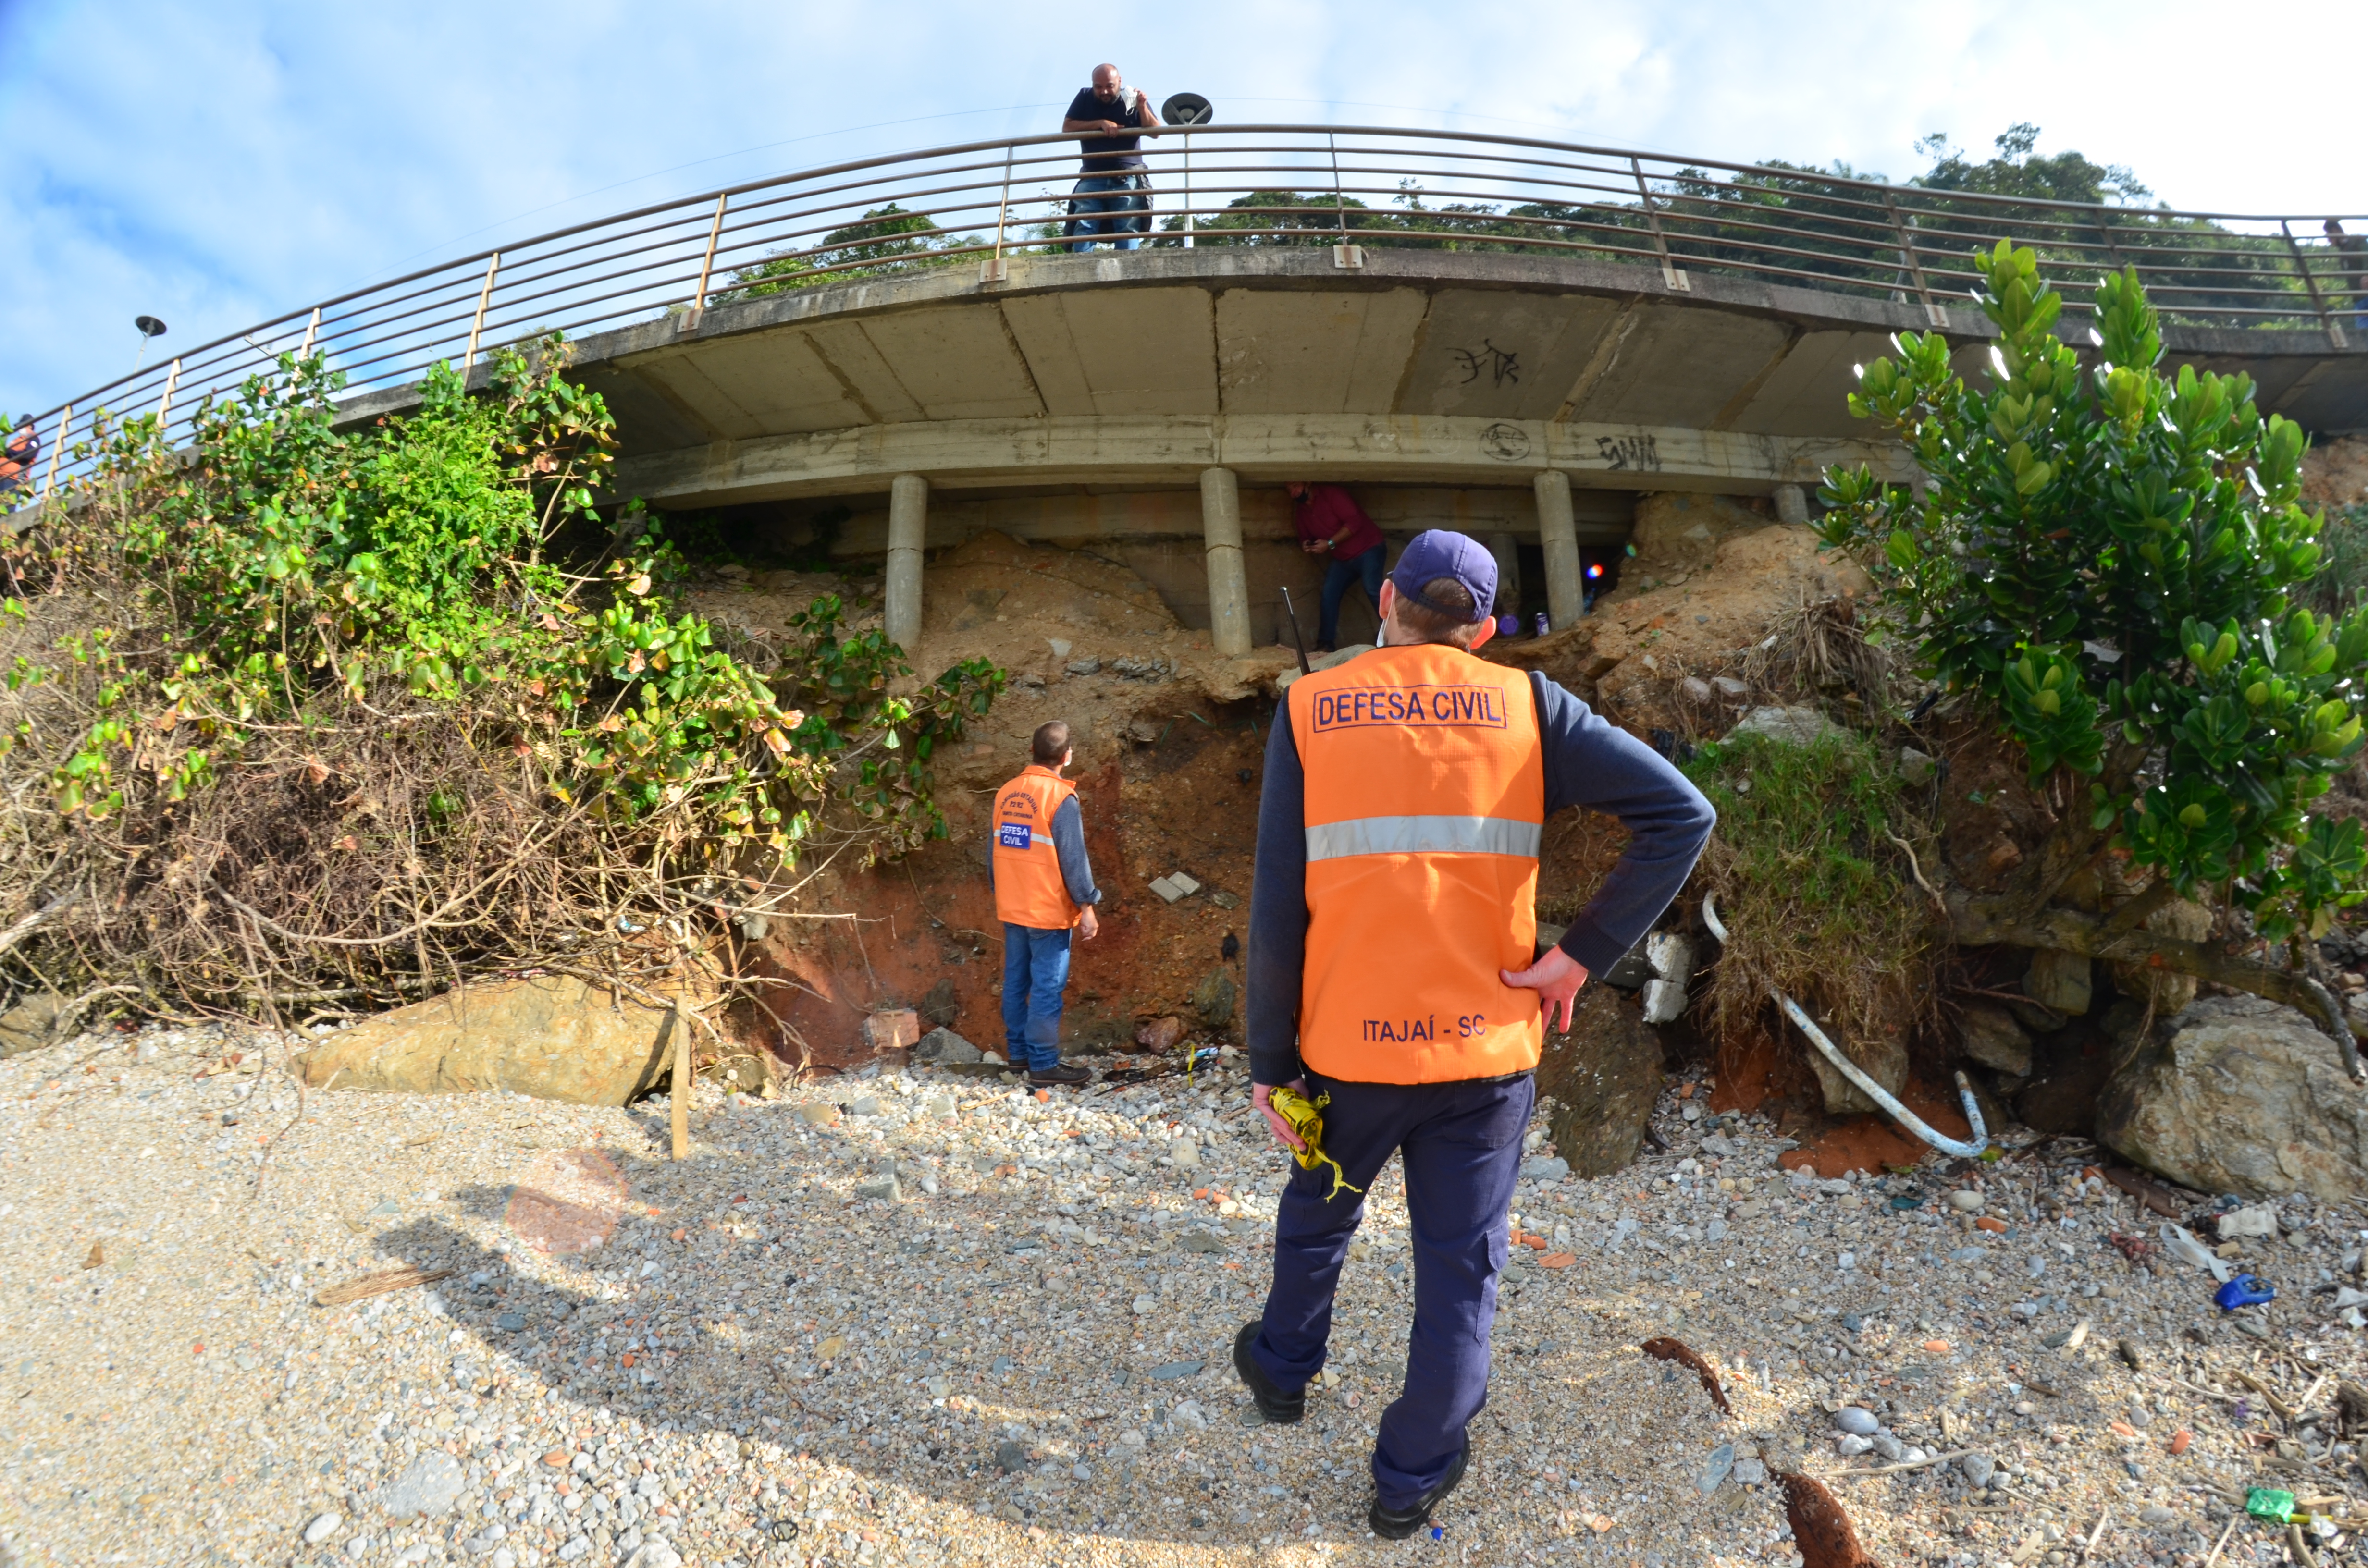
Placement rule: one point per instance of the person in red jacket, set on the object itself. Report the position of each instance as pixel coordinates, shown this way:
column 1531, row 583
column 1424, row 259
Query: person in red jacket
column 1044, row 890
column 1333, row 526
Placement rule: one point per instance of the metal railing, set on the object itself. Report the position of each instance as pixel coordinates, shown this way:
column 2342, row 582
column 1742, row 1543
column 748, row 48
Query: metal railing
column 1350, row 189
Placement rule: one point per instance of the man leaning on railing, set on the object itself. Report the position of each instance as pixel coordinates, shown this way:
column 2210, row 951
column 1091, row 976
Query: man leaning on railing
column 1114, row 182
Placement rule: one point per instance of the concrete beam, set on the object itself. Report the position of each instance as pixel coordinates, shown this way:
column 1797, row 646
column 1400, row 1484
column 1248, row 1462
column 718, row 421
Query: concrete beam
column 909, row 522
column 1558, row 533
column 1229, row 588
column 1145, row 452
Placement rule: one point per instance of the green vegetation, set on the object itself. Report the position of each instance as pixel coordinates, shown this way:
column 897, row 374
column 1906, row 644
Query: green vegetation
column 1807, row 868
column 2116, row 564
column 322, row 712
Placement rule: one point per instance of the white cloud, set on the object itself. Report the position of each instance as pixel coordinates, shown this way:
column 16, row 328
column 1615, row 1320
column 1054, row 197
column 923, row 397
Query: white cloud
column 219, row 165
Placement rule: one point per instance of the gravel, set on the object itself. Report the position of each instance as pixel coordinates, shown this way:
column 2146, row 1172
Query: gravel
column 736, row 1359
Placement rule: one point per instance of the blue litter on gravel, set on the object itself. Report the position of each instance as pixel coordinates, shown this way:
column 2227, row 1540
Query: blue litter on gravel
column 1177, row 1370
column 1002, row 1364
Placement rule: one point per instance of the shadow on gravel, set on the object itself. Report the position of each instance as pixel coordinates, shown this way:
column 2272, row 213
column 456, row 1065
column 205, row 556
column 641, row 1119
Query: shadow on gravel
column 657, row 1300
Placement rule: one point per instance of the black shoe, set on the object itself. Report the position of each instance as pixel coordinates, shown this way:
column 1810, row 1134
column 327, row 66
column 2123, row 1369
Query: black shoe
column 1057, row 1074
column 1396, row 1523
column 1277, row 1406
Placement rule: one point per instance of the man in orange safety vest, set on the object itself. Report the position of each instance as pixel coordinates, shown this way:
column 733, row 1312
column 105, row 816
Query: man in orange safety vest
column 1044, row 890
column 1394, row 973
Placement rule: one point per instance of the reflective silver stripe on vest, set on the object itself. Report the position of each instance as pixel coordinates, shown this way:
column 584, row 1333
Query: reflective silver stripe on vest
column 1424, row 835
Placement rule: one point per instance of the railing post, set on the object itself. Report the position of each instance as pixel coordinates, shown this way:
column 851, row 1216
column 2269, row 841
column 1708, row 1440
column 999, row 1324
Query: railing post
column 1671, row 274
column 1343, row 253
column 1903, row 229
column 311, row 329
column 1188, row 191
column 50, row 481
column 2302, row 264
column 477, row 325
column 992, row 271
column 706, row 266
column 164, row 403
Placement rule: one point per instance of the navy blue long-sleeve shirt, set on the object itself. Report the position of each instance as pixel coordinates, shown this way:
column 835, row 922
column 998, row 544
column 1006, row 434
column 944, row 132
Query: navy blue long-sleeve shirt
column 1069, row 844
column 1589, row 763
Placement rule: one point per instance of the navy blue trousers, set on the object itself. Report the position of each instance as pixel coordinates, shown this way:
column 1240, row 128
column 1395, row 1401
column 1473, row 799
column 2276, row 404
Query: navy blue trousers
column 1460, row 1144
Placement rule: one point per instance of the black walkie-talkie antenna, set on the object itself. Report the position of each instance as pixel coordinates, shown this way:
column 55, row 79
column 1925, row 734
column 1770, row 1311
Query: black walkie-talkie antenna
column 1297, row 636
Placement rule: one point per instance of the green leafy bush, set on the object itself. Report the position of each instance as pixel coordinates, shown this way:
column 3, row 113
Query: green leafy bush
column 341, row 711
column 2116, row 562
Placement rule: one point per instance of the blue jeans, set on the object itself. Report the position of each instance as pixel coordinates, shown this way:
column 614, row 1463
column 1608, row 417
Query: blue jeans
column 1460, row 1145
column 1108, row 193
column 1035, row 972
column 1365, row 569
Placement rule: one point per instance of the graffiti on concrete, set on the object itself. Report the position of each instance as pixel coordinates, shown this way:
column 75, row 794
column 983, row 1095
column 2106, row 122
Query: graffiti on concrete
column 1497, row 364
column 1642, row 453
column 1505, row 443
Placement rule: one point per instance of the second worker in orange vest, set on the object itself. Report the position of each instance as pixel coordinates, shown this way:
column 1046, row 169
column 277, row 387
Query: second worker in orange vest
column 1393, row 930
column 1044, row 890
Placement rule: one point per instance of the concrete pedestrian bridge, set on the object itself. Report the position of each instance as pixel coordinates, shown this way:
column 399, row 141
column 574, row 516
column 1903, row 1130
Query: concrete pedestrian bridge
column 1514, row 336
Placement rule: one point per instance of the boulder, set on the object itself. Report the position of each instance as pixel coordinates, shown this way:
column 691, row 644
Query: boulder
column 2172, row 991
column 30, row 1024
column 1797, row 726
column 553, row 1036
column 941, row 1046
column 1213, row 999
column 2059, row 980
column 1883, row 1058
column 1991, row 1035
column 1159, row 1035
column 1605, row 1077
column 2240, row 1095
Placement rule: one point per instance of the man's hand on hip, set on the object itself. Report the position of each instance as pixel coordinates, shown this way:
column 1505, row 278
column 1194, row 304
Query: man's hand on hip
column 1259, row 1094
column 1088, row 924
column 1556, row 978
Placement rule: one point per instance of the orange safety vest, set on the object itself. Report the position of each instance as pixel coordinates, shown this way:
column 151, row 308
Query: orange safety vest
column 1027, row 886
column 1425, row 805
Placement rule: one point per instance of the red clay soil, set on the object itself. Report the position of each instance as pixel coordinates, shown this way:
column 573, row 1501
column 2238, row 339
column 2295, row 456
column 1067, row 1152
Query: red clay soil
column 1871, row 1142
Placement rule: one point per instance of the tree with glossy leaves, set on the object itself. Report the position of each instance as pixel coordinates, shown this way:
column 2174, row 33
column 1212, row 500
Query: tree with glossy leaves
column 2115, row 561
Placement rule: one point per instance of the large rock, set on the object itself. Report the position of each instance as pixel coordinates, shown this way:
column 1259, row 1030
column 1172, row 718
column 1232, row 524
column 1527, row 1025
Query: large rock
column 2239, row 1095
column 30, row 1024
column 2059, row 980
column 2171, row 990
column 1883, row 1058
column 553, row 1036
column 1993, row 1038
column 1605, row 1077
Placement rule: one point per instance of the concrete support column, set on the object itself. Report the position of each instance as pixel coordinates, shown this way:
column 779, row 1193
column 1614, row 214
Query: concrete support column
column 1792, row 503
column 1509, row 573
column 908, row 520
column 1558, row 532
column 1229, row 589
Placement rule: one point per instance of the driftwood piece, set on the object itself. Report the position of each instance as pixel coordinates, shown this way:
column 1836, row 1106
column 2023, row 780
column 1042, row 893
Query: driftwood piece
column 385, row 1281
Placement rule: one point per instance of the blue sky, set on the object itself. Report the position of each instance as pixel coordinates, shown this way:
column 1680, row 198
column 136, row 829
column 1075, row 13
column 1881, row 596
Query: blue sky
column 217, row 164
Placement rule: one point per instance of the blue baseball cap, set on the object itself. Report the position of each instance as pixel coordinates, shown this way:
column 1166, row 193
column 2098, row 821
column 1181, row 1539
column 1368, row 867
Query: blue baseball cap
column 1439, row 552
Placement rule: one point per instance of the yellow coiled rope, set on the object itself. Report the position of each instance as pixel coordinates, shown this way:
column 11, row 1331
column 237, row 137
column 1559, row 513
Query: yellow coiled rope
column 1305, row 1118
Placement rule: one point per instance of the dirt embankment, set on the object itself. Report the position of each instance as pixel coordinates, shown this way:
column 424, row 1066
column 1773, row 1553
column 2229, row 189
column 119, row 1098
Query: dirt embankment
column 2334, row 473
column 1169, row 740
